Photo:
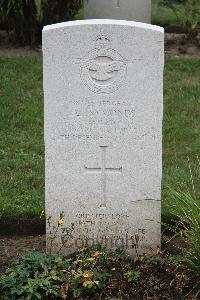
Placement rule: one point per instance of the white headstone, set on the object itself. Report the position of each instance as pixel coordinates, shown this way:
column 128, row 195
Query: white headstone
column 103, row 88
column 133, row 10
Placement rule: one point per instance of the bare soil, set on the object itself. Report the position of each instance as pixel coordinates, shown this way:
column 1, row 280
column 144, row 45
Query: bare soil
column 157, row 281
column 8, row 49
column 18, row 237
column 13, row 247
column 180, row 45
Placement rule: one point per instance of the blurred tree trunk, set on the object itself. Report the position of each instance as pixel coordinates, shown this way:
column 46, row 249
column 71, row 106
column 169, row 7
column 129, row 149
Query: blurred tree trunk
column 29, row 12
column 26, row 18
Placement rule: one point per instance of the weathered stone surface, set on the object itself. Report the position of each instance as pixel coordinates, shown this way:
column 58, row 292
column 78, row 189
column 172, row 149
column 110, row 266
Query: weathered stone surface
column 103, row 87
column 133, row 10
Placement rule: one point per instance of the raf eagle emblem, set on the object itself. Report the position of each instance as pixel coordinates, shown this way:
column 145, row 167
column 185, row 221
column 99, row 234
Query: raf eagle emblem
column 104, row 71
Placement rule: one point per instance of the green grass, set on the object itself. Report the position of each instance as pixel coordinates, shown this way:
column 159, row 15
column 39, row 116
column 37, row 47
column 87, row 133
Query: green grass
column 21, row 137
column 162, row 15
column 181, row 126
column 21, row 134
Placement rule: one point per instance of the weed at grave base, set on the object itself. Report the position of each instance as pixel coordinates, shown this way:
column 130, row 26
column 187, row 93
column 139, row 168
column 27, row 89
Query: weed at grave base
column 64, row 233
column 108, row 274
column 184, row 208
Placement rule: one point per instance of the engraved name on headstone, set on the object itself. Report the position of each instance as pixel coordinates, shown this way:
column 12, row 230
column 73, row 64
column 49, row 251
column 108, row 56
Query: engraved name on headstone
column 103, row 89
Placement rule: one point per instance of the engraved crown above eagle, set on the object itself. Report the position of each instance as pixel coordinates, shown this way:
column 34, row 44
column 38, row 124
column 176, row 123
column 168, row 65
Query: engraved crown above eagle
column 103, row 70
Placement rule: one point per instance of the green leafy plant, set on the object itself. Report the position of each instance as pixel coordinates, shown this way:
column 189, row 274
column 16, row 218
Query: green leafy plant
column 187, row 13
column 35, row 276
column 132, row 275
column 90, row 273
column 42, row 276
column 91, row 270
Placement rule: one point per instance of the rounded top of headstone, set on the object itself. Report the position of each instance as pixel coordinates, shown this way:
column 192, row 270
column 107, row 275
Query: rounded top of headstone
column 132, row 10
column 104, row 22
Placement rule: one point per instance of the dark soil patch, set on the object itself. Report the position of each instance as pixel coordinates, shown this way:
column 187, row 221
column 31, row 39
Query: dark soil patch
column 18, row 237
column 20, row 51
column 173, row 28
column 180, row 45
column 13, row 247
column 7, row 48
column 158, row 279
column 22, row 227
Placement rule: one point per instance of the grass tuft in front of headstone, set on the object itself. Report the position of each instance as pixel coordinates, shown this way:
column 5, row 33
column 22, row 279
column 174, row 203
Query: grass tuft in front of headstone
column 185, row 211
column 96, row 273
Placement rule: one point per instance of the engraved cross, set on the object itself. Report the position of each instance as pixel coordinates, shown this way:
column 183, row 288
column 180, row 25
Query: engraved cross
column 117, row 3
column 103, row 170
